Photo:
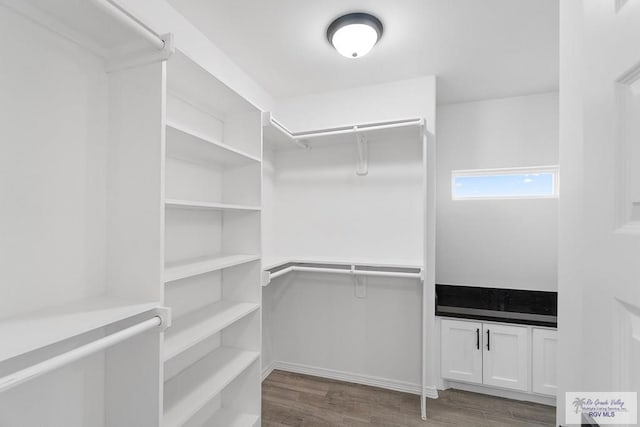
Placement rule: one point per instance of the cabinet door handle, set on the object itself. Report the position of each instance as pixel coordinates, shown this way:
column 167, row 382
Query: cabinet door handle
column 488, row 340
column 477, row 338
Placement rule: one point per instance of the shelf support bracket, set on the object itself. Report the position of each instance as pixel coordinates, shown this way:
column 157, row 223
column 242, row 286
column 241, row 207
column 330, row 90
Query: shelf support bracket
column 362, row 145
column 301, row 143
column 360, row 283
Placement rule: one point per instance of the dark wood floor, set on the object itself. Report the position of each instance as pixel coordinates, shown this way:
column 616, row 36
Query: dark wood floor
column 300, row 400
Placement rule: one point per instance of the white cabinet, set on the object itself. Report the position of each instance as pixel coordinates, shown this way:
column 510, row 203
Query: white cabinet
column 514, row 357
column 545, row 344
column 505, row 361
column 462, row 351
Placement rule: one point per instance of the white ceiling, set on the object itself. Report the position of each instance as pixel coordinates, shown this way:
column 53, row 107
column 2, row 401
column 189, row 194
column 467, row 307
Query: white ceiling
column 479, row 49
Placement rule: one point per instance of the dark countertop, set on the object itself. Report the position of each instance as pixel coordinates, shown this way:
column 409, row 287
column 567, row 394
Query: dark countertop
column 539, row 308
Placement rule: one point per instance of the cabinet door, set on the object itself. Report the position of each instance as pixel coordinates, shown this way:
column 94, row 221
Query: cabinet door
column 544, row 361
column 461, row 351
column 505, row 356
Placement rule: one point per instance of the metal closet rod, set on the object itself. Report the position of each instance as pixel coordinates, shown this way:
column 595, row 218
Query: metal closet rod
column 76, row 354
column 112, row 8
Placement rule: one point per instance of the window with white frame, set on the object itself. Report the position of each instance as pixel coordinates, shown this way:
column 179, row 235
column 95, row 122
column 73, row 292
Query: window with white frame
column 506, row 183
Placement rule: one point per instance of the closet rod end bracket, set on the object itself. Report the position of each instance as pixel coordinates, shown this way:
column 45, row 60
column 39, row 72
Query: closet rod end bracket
column 164, row 313
column 168, row 46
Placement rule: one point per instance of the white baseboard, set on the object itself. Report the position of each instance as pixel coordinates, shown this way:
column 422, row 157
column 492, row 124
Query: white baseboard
column 266, row 371
column 508, row 394
column 332, row 374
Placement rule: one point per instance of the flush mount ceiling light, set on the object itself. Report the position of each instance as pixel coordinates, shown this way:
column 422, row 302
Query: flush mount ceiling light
column 355, row 34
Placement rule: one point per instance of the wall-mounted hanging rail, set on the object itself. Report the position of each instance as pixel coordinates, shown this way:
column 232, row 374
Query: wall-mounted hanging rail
column 34, row 371
column 365, row 127
column 301, row 138
column 282, row 131
column 275, row 133
column 347, row 269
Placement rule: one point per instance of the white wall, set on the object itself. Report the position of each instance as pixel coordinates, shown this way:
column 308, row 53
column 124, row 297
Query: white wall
column 54, row 231
column 322, row 209
column 497, row 243
column 163, row 18
column 390, row 101
column 315, row 321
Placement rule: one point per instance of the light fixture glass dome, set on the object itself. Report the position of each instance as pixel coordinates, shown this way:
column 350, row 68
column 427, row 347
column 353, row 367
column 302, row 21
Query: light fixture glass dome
column 355, row 34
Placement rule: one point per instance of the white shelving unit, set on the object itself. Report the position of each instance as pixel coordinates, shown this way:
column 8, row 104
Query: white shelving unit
column 212, row 251
column 139, row 188
column 81, row 254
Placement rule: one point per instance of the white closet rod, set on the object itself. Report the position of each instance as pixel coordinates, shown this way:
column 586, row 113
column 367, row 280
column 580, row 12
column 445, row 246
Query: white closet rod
column 343, row 271
column 71, row 356
column 120, row 14
column 358, row 128
column 387, row 274
column 282, row 128
column 298, row 137
column 280, row 272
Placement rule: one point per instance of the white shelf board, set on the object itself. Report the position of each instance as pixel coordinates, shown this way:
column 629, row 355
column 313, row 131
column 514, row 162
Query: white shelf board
column 194, row 267
column 230, row 418
column 276, row 136
column 193, row 388
column 192, row 204
column 270, row 262
column 84, row 23
column 186, row 144
column 191, row 82
column 32, row 331
column 195, row 327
